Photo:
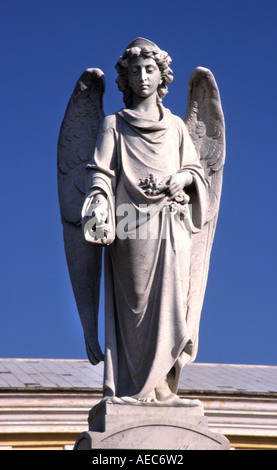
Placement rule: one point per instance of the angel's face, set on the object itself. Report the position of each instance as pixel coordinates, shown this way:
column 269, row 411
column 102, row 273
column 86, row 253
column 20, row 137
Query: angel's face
column 144, row 76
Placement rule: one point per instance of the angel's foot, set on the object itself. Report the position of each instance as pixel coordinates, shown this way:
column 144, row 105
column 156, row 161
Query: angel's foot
column 165, row 396
column 120, row 400
column 163, row 392
column 149, row 398
column 175, row 400
column 135, row 400
column 169, row 400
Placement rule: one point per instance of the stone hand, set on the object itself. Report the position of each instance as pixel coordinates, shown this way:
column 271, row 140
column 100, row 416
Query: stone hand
column 100, row 211
column 100, row 214
column 176, row 183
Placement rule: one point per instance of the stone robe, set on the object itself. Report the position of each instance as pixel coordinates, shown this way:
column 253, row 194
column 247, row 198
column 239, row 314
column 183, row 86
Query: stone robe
column 147, row 266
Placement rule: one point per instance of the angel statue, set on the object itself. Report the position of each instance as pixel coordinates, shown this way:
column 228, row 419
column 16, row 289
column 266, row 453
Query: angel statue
column 143, row 186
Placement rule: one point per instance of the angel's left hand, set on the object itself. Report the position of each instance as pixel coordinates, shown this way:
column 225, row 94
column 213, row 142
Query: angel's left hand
column 176, row 182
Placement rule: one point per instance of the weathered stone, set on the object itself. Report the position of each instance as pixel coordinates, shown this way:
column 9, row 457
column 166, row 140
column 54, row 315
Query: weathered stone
column 146, row 185
column 166, row 173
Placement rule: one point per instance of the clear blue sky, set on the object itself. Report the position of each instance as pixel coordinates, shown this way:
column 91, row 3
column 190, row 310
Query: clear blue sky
column 45, row 46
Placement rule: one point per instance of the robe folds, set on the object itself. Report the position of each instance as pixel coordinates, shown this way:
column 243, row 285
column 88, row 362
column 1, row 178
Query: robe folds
column 147, row 265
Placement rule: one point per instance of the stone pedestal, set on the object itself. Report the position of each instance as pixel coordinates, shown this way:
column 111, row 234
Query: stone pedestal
column 147, row 426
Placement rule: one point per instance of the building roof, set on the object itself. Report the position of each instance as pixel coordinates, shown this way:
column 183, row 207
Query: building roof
column 80, row 375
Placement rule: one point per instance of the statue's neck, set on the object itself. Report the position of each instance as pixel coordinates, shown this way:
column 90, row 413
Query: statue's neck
column 147, row 107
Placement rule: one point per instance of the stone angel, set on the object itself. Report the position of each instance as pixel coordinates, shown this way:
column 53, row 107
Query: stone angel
column 144, row 186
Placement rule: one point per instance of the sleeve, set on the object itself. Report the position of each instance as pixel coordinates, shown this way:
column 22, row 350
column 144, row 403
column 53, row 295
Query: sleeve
column 189, row 161
column 102, row 168
column 101, row 178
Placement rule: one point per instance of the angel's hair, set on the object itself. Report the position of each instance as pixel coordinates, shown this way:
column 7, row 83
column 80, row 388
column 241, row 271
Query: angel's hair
column 161, row 58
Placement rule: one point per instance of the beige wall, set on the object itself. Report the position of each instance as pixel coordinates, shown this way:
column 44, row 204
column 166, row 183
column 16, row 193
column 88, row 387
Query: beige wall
column 36, row 420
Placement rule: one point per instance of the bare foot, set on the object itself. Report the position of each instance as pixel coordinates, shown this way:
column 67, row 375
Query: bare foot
column 165, row 396
column 175, row 400
column 136, row 400
column 163, row 392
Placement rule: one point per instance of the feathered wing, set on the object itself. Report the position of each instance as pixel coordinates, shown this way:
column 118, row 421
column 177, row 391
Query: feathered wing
column 76, row 144
column 205, row 122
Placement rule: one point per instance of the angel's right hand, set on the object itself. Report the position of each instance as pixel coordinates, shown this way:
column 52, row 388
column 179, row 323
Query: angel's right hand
column 100, row 213
column 96, row 207
column 94, row 217
column 100, row 198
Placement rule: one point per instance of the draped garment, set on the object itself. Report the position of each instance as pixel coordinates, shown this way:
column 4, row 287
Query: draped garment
column 147, row 265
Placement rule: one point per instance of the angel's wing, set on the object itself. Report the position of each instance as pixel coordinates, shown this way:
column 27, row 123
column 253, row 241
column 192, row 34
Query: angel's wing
column 205, row 122
column 76, row 144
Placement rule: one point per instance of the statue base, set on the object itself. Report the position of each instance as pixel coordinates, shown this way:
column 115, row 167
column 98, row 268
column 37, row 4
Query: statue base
column 149, row 426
